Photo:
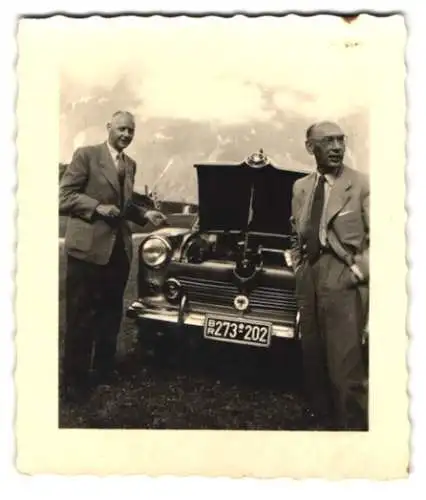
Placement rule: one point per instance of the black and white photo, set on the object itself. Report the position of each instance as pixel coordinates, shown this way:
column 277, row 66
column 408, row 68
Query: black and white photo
column 225, row 261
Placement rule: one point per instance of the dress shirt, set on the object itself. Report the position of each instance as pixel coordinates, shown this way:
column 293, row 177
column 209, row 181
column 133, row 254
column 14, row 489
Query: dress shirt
column 328, row 185
column 114, row 154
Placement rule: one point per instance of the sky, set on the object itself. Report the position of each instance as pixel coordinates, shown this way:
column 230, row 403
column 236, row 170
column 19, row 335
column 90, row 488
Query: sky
column 226, row 73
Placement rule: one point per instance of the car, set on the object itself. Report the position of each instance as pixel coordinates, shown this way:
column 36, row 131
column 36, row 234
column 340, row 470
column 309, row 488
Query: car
column 228, row 278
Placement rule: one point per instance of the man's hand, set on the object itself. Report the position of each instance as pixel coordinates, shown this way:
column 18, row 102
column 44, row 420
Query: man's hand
column 108, row 211
column 155, row 217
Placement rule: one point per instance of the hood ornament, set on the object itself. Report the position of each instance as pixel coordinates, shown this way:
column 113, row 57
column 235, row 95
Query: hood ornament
column 258, row 159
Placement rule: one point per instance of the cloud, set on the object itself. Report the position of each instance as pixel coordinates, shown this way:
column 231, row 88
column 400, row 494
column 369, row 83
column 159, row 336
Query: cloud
column 216, row 88
column 199, row 69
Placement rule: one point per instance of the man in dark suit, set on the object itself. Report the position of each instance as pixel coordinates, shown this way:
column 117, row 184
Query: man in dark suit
column 330, row 255
column 95, row 192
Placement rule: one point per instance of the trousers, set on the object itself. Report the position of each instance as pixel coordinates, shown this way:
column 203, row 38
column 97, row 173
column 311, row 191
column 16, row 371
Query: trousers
column 332, row 319
column 94, row 310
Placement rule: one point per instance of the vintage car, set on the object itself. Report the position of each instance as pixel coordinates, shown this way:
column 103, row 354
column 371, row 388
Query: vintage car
column 229, row 277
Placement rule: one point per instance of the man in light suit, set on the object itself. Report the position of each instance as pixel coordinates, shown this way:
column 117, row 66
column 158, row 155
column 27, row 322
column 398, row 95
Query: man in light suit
column 95, row 192
column 330, row 255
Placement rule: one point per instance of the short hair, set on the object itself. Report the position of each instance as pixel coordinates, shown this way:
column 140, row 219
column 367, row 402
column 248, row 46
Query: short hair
column 309, row 131
column 123, row 112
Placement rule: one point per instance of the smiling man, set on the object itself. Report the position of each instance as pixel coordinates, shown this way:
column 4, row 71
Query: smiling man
column 330, row 217
column 96, row 192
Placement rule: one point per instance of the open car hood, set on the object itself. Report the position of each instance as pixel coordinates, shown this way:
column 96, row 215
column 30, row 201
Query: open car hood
column 253, row 195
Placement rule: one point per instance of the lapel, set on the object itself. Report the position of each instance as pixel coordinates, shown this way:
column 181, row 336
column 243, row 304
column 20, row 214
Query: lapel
column 108, row 168
column 306, row 192
column 339, row 194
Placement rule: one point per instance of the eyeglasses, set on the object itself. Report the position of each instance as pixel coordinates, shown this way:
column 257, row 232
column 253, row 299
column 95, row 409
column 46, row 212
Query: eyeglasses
column 330, row 139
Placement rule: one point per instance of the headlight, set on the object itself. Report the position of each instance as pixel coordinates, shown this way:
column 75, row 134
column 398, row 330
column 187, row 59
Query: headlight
column 155, row 251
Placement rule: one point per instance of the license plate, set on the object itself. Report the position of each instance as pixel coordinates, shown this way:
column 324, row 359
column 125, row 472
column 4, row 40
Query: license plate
column 238, row 331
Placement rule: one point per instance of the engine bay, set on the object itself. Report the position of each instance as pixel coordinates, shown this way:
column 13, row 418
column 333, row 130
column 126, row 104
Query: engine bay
column 235, row 246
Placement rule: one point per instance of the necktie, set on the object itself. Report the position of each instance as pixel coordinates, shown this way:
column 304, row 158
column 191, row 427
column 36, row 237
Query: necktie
column 121, row 167
column 121, row 170
column 313, row 241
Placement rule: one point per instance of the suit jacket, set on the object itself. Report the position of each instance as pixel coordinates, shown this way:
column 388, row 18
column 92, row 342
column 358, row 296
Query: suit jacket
column 89, row 180
column 347, row 218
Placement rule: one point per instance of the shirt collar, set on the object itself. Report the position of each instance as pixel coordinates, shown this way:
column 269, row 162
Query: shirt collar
column 330, row 178
column 114, row 153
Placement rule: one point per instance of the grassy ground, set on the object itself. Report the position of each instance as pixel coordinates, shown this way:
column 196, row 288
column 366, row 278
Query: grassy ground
column 215, row 386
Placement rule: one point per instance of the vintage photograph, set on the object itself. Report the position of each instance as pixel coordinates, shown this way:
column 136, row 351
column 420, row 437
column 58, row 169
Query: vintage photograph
column 214, row 222
column 210, row 200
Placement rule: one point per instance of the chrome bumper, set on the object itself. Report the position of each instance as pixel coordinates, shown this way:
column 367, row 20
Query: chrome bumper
column 138, row 311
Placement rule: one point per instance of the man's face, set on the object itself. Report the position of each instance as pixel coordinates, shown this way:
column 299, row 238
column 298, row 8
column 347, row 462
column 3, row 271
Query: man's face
column 327, row 144
column 121, row 131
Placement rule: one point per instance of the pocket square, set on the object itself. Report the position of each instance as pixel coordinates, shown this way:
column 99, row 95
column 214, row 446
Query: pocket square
column 345, row 213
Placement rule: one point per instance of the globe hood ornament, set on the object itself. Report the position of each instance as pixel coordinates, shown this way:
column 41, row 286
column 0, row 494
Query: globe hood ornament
column 258, row 159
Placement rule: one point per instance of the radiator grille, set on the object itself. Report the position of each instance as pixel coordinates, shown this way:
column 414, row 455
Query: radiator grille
column 263, row 300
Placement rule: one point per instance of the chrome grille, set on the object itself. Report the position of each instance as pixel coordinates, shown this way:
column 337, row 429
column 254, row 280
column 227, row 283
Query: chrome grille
column 262, row 299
